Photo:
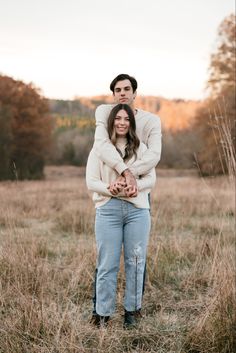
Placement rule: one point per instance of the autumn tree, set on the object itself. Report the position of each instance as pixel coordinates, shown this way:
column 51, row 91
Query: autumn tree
column 25, row 130
column 216, row 119
column 223, row 61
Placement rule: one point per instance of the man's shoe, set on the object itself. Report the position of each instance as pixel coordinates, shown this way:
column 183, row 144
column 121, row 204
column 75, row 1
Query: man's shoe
column 99, row 321
column 131, row 319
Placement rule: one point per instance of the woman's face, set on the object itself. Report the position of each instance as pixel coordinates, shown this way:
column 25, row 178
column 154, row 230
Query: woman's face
column 121, row 123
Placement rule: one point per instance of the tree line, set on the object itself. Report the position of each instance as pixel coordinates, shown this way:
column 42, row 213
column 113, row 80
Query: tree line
column 35, row 131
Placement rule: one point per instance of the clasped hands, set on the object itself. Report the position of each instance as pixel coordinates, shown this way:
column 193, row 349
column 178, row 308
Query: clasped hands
column 125, row 184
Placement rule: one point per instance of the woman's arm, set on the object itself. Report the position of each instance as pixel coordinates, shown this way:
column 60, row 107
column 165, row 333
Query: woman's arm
column 93, row 178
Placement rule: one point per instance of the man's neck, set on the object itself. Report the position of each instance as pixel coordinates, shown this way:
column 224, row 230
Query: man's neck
column 134, row 109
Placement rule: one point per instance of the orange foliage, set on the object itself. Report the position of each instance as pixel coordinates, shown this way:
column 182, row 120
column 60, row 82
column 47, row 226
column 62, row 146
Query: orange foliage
column 176, row 115
column 25, row 113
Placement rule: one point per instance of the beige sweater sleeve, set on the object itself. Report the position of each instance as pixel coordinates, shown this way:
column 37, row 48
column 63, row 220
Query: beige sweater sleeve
column 103, row 147
column 147, row 180
column 93, row 176
column 151, row 156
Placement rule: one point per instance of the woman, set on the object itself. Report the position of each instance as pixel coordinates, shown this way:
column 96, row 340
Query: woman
column 120, row 220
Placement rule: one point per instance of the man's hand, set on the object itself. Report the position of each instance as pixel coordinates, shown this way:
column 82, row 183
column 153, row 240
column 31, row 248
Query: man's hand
column 131, row 189
column 117, row 186
column 121, row 180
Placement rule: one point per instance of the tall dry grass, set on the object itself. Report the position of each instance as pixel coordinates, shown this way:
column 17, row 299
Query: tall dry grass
column 47, row 261
column 223, row 129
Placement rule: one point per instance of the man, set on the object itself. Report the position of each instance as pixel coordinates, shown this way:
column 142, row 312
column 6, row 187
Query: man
column 148, row 128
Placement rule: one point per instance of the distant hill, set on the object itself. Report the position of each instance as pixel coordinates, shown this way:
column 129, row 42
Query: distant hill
column 177, row 114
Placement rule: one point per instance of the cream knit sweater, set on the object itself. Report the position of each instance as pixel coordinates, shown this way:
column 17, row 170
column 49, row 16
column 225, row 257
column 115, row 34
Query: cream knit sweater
column 148, row 129
column 99, row 175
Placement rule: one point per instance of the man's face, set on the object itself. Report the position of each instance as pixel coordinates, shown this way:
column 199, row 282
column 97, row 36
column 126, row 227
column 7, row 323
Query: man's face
column 123, row 92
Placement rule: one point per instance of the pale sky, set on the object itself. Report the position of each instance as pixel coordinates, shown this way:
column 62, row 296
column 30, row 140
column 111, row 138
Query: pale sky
column 71, row 48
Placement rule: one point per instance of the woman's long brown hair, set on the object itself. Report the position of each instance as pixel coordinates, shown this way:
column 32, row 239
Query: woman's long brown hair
column 132, row 138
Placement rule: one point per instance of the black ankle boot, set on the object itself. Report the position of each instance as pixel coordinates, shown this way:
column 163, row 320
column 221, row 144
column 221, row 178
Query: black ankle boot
column 131, row 319
column 99, row 321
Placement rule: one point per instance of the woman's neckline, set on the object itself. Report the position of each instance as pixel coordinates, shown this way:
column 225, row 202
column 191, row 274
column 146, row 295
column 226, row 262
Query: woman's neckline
column 121, row 140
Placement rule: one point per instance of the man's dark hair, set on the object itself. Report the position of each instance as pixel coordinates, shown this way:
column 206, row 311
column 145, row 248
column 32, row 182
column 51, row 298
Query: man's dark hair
column 123, row 77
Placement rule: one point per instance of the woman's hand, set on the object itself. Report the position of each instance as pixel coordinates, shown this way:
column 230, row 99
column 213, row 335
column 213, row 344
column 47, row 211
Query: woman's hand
column 131, row 189
column 117, row 186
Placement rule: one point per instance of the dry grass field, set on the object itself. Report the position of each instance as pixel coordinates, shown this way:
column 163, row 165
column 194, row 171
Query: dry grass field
column 47, row 261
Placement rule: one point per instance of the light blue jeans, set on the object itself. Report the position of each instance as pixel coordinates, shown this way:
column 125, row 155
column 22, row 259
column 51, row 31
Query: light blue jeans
column 118, row 223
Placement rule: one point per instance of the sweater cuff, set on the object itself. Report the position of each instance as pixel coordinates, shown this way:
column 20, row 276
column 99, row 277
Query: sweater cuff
column 133, row 171
column 120, row 167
